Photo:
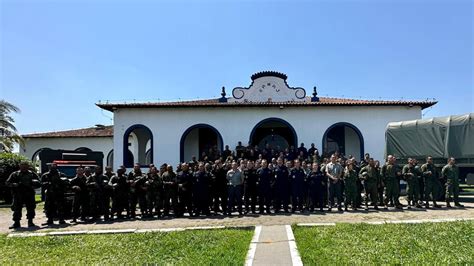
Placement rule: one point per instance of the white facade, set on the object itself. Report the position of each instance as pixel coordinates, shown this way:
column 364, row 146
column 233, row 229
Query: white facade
column 168, row 132
column 236, row 124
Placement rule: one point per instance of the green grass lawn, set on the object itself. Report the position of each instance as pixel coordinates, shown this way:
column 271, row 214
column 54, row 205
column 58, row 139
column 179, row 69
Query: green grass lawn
column 194, row 247
column 427, row 243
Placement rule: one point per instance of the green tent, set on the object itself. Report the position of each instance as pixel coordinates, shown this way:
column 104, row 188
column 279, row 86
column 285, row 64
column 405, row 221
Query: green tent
column 440, row 137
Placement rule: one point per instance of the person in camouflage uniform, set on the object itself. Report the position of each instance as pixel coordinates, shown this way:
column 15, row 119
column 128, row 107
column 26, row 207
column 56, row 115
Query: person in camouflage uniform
column 170, row 191
column 370, row 180
column 154, row 193
column 97, row 185
column 430, row 176
column 451, row 173
column 136, row 180
column 120, row 191
column 23, row 183
column 350, row 186
column 411, row 177
column 390, row 174
column 81, row 197
column 54, row 184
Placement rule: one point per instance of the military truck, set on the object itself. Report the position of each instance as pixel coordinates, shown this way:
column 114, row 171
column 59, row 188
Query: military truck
column 439, row 137
column 68, row 161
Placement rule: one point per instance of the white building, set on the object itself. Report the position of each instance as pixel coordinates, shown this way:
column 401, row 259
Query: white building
column 99, row 138
column 268, row 111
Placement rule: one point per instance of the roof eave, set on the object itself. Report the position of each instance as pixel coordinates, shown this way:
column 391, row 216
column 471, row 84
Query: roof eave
column 112, row 107
column 64, row 137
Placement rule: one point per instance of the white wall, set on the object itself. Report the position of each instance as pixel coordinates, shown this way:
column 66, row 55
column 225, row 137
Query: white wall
column 235, row 124
column 103, row 144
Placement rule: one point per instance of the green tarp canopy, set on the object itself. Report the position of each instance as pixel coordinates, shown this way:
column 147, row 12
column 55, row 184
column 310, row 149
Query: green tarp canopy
column 440, row 137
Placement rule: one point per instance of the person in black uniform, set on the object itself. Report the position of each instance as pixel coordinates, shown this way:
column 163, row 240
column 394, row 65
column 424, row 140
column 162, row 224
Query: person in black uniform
column 201, row 191
column 23, row 183
column 107, row 196
column 317, row 186
column 281, row 186
column 227, row 152
column 297, row 177
column 303, row 149
column 265, row 177
column 219, row 187
column 54, row 184
column 250, row 187
column 81, row 197
column 185, row 186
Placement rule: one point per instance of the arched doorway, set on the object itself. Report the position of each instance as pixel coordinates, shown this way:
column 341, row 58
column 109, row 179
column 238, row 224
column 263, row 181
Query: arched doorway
column 36, row 158
column 276, row 132
column 110, row 158
column 344, row 138
column 199, row 139
column 137, row 140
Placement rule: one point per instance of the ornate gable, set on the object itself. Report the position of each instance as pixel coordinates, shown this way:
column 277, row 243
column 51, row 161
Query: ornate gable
column 268, row 86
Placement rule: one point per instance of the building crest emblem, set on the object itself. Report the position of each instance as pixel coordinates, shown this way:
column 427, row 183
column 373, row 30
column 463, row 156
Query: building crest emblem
column 268, row 86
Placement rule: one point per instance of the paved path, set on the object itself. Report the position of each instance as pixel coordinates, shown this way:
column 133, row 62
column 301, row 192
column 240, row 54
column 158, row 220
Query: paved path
column 275, row 245
column 272, row 247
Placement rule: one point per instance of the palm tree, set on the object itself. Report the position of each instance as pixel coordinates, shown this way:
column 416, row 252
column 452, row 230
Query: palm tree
column 8, row 132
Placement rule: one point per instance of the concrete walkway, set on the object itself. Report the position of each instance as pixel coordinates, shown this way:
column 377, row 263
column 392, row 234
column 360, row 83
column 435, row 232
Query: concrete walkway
column 275, row 246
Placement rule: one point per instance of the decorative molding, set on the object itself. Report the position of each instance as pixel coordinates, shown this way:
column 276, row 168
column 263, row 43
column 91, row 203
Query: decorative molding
column 268, row 86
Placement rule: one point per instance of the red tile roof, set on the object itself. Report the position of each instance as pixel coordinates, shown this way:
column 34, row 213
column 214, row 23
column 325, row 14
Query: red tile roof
column 106, row 131
column 323, row 101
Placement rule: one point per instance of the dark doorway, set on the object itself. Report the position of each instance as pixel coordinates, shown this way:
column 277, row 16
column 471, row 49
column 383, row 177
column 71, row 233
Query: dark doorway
column 200, row 139
column 276, row 132
column 344, row 138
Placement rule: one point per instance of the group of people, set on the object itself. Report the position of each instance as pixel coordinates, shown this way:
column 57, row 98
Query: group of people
column 272, row 181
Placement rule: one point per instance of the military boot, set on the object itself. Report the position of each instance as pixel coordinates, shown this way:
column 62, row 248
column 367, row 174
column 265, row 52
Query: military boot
column 30, row 223
column 15, row 225
column 457, row 204
column 48, row 222
column 448, row 205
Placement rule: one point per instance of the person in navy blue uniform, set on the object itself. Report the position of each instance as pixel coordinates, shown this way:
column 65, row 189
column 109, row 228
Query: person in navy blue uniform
column 297, row 178
column 219, row 187
column 316, row 186
column 185, row 185
column 250, row 188
column 201, row 182
column 265, row 176
column 281, row 186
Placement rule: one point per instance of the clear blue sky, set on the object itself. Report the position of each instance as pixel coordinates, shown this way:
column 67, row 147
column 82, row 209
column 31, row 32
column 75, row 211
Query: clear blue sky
column 58, row 58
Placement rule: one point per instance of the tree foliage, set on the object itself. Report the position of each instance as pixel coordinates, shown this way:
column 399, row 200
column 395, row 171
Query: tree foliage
column 8, row 132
